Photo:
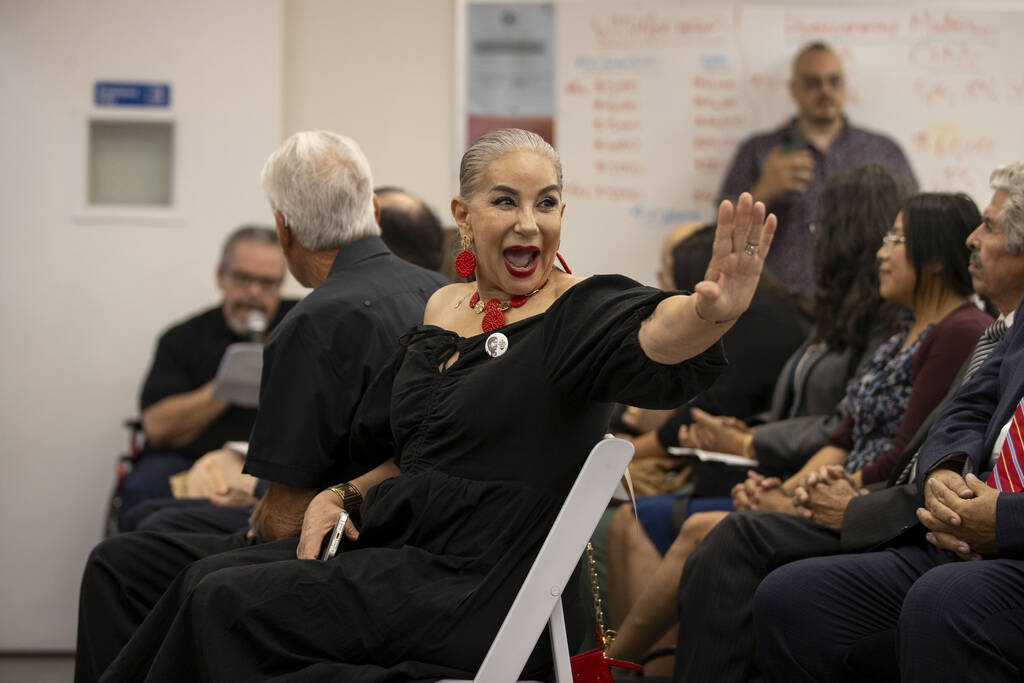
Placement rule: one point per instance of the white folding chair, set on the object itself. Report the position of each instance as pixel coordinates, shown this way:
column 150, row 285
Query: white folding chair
column 539, row 600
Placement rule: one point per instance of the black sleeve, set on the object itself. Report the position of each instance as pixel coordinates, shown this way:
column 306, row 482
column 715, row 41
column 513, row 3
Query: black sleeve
column 592, row 352
column 757, row 347
column 169, row 373
column 372, row 442
column 312, row 382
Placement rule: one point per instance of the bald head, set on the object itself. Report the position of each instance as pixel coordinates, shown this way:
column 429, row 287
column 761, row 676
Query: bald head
column 818, row 85
column 410, row 229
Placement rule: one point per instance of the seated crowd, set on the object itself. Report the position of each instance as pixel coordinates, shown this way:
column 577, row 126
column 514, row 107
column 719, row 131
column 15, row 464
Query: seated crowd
column 430, row 411
column 897, row 391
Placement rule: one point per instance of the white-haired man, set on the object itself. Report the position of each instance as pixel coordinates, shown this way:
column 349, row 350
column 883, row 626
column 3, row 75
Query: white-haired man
column 326, row 352
column 316, row 366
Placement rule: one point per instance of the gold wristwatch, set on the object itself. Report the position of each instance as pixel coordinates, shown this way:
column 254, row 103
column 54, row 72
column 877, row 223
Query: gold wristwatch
column 351, row 499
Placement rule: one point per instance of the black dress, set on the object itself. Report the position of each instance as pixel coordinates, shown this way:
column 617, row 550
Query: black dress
column 488, row 449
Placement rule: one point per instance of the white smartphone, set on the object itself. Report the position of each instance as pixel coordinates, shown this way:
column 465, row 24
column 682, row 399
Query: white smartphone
column 332, row 542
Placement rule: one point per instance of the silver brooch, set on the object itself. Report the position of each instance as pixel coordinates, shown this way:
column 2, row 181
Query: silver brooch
column 496, row 344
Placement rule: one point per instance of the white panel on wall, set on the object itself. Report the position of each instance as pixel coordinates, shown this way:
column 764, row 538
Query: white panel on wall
column 131, row 162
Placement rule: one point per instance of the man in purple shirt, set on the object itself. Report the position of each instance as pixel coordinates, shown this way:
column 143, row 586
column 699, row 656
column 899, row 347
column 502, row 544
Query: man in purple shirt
column 787, row 168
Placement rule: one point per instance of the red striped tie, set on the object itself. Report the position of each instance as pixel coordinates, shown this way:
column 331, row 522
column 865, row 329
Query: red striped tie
column 1008, row 474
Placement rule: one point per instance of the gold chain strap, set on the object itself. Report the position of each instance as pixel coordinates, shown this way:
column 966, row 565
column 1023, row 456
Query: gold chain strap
column 607, row 636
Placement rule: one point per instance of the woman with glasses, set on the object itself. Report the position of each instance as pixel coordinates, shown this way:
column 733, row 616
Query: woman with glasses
column 922, row 268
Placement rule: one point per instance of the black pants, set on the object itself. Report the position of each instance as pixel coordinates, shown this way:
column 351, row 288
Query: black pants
column 716, row 593
column 256, row 613
column 914, row 612
column 196, row 515
column 124, row 578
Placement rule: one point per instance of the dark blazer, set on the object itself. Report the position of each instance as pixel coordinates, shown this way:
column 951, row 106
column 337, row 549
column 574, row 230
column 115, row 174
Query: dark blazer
column 972, row 421
column 803, row 414
column 891, row 508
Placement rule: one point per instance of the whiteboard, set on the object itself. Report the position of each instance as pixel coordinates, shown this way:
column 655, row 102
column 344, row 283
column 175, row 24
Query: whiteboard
column 654, row 98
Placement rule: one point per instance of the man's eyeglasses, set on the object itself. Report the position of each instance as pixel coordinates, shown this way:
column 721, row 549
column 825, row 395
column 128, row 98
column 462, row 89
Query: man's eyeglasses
column 835, row 81
column 242, row 280
column 891, row 238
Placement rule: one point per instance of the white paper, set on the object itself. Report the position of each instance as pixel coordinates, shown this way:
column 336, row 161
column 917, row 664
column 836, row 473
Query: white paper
column 238, row 376
column 713, row 456
column 240, row 447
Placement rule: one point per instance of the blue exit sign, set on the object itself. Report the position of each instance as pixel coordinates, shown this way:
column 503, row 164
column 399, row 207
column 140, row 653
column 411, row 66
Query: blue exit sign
column 125, row 94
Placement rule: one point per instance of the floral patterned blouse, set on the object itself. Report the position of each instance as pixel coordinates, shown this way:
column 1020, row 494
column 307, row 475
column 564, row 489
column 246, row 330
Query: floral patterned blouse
column 897, row 390
column 877, row 399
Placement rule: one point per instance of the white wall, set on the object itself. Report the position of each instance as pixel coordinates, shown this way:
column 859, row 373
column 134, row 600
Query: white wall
column 83, row 300
column 85, row 293
column 381, row 72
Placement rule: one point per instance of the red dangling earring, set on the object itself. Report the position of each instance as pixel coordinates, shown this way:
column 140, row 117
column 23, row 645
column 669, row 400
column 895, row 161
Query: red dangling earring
column 465, row 261
column 565, row 266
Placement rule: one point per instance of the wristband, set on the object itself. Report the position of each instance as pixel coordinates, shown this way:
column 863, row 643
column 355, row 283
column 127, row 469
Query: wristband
column 717, row 323
column 350, row 497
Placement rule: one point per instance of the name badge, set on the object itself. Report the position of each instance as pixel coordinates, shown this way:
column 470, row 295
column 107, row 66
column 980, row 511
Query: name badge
column 496, row 344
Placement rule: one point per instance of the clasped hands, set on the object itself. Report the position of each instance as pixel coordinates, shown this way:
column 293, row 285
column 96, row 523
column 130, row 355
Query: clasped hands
column 715, row 433
column 658, row 475
column 320, row 518
column 759, row 492
column 960, row 513
column 824, row 494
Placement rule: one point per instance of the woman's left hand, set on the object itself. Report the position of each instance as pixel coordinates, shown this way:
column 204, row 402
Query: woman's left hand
column 742, row 240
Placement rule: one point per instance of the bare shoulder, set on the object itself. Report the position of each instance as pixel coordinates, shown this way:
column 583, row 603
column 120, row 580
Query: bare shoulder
column 563, row 282
column 444, row 300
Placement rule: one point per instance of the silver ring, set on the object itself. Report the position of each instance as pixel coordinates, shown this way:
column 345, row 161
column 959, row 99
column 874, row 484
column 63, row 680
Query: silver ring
column 750, row 249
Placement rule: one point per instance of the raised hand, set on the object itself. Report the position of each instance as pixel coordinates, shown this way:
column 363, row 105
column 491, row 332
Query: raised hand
column 742, row 241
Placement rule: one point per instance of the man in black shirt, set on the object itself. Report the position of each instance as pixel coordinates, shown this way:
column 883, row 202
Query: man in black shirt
column 411, row 231
column 180, row 417
column 316, row 365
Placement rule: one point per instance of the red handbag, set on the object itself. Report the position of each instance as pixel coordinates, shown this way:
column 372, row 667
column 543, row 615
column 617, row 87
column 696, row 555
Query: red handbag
column 594, row 666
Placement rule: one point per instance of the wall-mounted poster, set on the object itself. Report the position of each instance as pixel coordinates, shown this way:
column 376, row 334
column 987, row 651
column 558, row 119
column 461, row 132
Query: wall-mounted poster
column 509, row 77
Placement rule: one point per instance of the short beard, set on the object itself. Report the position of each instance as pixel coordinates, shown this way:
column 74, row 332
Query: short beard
column 239, row 324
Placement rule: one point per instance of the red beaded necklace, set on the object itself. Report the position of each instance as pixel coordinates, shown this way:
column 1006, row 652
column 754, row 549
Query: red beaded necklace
column 494, row 310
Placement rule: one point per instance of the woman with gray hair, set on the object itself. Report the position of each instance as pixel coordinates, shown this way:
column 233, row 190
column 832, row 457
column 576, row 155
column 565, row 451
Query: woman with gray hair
column 471, row 439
